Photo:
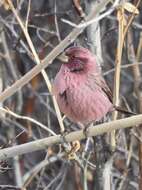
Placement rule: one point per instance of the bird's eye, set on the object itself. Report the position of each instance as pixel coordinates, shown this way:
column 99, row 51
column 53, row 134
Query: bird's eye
column 75, row 56
column 72, row 57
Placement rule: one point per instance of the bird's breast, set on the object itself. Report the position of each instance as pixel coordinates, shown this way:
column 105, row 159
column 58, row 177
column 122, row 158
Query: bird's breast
column 83, row 102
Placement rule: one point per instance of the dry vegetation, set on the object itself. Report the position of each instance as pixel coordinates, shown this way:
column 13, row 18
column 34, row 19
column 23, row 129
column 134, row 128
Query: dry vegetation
column 34, row 155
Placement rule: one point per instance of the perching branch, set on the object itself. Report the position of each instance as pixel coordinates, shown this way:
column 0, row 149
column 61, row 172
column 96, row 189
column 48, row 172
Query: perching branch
column 77, row 135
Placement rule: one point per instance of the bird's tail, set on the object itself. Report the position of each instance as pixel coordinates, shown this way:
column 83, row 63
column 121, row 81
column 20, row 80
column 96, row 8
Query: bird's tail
column 123, row 110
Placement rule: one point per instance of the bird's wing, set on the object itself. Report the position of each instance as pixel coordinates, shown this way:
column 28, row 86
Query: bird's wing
column 99, row 80
column 106, row 89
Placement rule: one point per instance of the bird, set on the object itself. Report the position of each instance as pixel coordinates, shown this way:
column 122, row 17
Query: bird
column 80, row 89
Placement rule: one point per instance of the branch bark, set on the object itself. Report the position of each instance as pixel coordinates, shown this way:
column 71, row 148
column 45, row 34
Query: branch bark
column 77, row 135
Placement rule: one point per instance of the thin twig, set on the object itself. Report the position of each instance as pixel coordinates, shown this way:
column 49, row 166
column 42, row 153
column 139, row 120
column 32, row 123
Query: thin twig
column 56, row 23
column 28, row 119
column 116, row 85
column 37, row 168
column 122, row 67
column 85, row 24
column 28, row 13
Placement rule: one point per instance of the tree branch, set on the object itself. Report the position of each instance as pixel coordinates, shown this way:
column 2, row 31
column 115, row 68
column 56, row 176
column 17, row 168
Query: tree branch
column 77, row 135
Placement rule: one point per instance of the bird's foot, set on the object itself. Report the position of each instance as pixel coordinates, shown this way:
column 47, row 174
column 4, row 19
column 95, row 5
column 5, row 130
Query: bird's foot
column 69, row 148
column 75, row 146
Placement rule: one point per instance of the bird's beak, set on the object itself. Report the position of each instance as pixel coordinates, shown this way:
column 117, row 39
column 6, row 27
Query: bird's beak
column 64, row 58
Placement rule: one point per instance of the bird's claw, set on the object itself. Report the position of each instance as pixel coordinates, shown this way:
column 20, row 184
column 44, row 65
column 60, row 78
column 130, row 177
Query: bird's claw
column 69, row 149
column 75, row 147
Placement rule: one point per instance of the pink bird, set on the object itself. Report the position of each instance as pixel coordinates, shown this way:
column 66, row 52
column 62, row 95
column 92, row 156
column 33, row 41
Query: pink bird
column 80, row 90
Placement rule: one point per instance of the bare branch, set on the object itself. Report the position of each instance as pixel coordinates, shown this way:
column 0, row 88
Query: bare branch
column 77, row 135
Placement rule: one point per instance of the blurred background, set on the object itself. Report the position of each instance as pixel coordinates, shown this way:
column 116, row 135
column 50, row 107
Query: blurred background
column 100, row 167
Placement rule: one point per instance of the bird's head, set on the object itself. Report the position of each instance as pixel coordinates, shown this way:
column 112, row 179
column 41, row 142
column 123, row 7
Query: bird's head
column 80, row 59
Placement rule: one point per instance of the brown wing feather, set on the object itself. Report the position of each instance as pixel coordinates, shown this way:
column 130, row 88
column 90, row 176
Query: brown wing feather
column 106, row 89
column 100, row 82
column 103, row 85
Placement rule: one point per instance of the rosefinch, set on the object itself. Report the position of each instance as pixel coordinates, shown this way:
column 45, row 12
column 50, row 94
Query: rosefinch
column 80, row 90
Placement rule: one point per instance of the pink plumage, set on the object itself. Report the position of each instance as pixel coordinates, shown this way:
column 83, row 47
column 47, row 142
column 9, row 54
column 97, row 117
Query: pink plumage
column 80, row 90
